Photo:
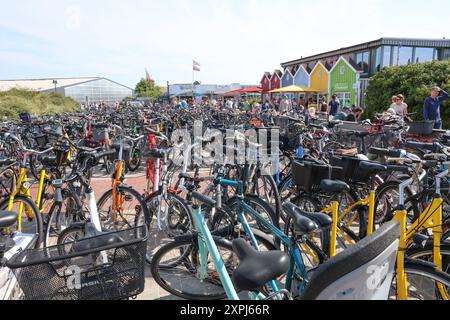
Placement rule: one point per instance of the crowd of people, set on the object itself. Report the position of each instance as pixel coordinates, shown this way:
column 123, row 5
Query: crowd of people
column 281, row 106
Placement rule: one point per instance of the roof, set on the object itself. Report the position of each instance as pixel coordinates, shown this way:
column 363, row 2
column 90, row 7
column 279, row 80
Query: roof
column 41, row 84
column 405, row 42
column 349, row 63
column 47, row 84
column 278, row 73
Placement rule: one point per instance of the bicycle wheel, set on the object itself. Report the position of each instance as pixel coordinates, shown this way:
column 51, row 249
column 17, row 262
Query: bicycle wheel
column 61, row 216
column 176, row 268
column 175, row 220
column 131, row 211
column 318, row 243
column 8, row 182
column 29, row 215
column 386, row 202
column 423, row 282
column 265, row 188
column 260, row 206
column 135, row 160
column 224, row 223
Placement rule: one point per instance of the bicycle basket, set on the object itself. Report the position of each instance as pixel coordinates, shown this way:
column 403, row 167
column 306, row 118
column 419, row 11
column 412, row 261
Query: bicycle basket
column 421, row 127
column 348, row 164
column 42, row 140
column 112, row 272
column 100, row 134
column 308, row 175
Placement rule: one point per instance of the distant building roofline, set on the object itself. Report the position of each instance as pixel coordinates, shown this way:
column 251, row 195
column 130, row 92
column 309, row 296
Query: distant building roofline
column 439, row 43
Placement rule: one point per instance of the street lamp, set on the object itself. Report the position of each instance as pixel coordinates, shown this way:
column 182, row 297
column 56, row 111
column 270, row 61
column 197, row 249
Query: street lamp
column 55, row 82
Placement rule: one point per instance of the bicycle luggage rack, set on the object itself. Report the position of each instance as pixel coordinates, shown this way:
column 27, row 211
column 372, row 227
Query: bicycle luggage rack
column 61, row 273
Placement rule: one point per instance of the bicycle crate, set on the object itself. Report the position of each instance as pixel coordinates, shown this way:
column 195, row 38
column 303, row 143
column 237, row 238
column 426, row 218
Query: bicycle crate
column 100, row 134
column 348, row 164
column 42, row 140
column 308, row 175
column 62, row 273
column 421, row 127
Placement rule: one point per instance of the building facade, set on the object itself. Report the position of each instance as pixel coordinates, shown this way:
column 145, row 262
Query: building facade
column 370, row 57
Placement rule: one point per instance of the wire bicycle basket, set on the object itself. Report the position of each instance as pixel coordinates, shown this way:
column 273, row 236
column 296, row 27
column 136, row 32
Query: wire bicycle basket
column 114, row 271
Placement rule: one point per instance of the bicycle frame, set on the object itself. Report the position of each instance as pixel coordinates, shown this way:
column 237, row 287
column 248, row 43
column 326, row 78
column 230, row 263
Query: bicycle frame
column 207, row 245
column 23, row 188
column 294, row 251
column 430, row 218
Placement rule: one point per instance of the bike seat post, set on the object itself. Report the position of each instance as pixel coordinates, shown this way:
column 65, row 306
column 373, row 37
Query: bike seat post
column 439, row 178
column 402, row 187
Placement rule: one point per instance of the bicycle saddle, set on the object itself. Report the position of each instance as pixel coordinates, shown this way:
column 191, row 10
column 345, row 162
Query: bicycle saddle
column 7, row 219
column 257, row 268
column 95, row 240
column 302, row 224
column 371, row 167
column 323, row 221
column 333, row 186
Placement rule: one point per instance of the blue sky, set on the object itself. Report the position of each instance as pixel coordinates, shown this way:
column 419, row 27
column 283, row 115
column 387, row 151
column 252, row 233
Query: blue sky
column 234, row 40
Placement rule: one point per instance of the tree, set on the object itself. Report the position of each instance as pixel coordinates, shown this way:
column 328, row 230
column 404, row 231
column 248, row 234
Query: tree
column 147, row 88
column 414, row 81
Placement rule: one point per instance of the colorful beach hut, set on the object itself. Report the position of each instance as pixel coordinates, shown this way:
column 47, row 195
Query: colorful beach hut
column 344, row 82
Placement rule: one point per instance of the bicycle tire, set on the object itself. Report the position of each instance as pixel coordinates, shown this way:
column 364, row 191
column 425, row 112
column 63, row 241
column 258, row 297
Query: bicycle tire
column 55, row 215
column 426, row 275
column 142, row 205
column 39, row 232
column 180, row 228
column 187, row 248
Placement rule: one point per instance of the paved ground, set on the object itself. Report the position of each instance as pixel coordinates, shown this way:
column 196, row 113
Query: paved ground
column 101, row 183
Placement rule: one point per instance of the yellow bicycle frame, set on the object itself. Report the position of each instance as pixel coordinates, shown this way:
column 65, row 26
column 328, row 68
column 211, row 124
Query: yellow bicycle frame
column 24, row 190
column 431, row 218
column 333, row 209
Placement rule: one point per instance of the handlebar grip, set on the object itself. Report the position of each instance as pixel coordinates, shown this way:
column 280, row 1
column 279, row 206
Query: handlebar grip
column 386, row 152
column 98, row 156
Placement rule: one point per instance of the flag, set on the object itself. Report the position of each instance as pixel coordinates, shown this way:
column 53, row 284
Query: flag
column 148, row 76
column 196, row 65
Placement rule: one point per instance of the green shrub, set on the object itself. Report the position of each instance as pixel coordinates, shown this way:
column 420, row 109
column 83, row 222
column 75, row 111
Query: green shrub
column 16, row 101
column 414, row 81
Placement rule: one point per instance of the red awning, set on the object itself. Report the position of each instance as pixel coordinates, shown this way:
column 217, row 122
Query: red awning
column 244, row 91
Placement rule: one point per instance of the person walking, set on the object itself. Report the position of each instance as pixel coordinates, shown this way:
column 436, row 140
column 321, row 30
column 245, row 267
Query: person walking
column 432, row 106
column 323, row 107
column 334, row 106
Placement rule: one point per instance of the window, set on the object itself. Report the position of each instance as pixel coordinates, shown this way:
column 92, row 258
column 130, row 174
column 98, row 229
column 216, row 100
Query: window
column 344, row 98
column 378, row 61
column 402, row 56
column 424, row 55
column 362, row 60
column 387, row 51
